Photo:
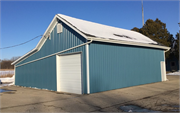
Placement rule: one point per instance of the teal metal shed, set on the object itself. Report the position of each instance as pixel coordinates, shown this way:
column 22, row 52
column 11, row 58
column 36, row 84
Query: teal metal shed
column 82, row 57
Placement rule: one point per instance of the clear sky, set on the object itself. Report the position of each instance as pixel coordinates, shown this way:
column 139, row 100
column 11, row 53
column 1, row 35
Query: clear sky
column 22, row 21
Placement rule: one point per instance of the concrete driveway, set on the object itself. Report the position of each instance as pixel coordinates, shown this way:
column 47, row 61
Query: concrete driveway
column 161, row 96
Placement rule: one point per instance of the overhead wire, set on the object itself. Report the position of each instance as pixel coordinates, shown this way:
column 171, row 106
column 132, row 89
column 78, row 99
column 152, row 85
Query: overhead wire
column 21, row 43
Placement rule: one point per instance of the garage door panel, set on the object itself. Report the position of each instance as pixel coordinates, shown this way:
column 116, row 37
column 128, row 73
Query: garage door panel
column 70, row 60
column 67, row 81
column 72, row 70
column 71, row 90
column 72, row 77
column 70, row 74
column 76, row 87
column 67, row 65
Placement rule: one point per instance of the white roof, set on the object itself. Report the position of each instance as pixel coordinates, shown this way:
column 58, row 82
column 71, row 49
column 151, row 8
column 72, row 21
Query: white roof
column 107, row 32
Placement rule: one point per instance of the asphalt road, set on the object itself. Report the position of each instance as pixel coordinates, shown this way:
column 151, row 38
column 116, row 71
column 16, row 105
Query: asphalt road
column 161, row 96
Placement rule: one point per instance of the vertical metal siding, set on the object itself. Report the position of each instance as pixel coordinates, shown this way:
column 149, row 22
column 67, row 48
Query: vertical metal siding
column 38, row 74
column 42, row 73
column 59, row 42
column 116, row 66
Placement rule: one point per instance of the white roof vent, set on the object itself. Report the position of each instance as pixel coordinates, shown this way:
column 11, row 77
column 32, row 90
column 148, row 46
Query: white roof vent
column 59, row 28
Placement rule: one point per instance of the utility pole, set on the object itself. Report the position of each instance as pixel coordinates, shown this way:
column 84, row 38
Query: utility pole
column 142, row 13
column 179, row 47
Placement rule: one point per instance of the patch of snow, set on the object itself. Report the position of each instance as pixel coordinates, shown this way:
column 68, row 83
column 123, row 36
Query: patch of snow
column 11, row 84
column 6, row 72
column 104, row 31
column 2, row 85
column 7, row 79
column 174, row 73
column 134, row 108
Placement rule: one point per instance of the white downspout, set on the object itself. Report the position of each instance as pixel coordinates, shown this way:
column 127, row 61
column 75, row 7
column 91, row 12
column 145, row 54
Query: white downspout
column 87, row 67
column 165, row 76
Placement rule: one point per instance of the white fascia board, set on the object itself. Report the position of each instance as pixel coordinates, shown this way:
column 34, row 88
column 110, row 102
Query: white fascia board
column 23, row 56
column 128, row 43
column 47, row 33
column 42, row 40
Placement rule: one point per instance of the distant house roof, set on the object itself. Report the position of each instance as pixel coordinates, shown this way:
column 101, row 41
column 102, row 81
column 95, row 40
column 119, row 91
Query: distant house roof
column 107, row 32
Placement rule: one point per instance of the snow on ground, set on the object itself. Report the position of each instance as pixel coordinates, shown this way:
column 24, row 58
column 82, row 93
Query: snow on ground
column 1, row 85
column 7, row 79
column 174, row 73
column 6, row 72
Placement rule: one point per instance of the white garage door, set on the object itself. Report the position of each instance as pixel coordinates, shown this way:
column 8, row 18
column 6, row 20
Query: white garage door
column 70, row 73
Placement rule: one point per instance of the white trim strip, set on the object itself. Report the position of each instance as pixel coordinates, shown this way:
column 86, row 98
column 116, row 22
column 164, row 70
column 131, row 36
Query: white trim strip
column 87, row 68
column 54, row 54
column 163, row 71
column 165, row 77
column 130, row 43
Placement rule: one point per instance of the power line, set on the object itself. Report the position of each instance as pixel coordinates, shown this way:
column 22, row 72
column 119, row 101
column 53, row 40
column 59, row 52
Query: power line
column 21, row 43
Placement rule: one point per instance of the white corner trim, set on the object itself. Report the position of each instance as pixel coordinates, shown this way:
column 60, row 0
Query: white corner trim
column 87, row 68
column 129, row 43
column 165, row 64
column 163, row 71
column 58, row 72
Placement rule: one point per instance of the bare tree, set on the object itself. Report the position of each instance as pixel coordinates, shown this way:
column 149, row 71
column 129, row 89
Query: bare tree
column 6, row 63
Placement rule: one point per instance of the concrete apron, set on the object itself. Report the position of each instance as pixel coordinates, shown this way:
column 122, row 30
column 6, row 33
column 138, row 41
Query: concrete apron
column 27, row 99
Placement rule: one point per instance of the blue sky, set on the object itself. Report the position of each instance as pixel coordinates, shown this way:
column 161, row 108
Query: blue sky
column 22, row 21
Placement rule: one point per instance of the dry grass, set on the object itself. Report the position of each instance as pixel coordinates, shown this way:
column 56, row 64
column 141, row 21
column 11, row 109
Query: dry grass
column 4, row 75
column 7, row 75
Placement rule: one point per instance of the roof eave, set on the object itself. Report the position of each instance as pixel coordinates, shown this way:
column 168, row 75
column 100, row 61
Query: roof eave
column 19, row 59
column 129, row 43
